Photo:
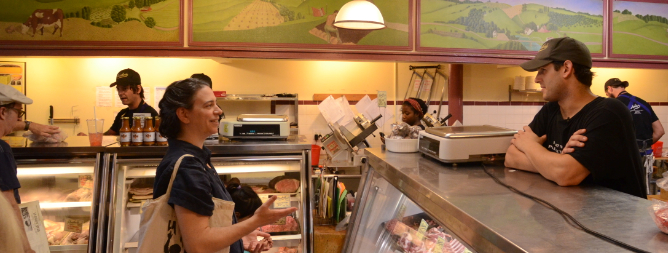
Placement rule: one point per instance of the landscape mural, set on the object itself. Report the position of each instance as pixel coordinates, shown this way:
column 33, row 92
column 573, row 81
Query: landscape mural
column 91, row 20
column 292, row 22
column 522, row 25
column 640, row 28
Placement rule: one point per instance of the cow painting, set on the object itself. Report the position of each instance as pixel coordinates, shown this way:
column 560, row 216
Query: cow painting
column 41, row 18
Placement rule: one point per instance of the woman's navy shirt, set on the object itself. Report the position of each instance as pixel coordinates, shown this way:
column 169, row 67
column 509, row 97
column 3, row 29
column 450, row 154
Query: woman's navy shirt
column 195, row 183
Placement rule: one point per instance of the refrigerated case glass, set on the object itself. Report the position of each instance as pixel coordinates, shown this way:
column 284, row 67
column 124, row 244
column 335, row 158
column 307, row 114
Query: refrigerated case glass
column 388, row 221
column 134, row 177
column 65, row 192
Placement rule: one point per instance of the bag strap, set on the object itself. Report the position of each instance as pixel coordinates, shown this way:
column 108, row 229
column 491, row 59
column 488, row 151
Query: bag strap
column 174, row 172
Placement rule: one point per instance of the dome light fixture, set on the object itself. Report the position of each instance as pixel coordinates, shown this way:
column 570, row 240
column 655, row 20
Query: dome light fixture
column 361, row 15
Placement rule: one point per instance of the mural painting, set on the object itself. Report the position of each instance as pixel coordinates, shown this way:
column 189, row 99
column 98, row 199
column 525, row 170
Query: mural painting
column 640, row 28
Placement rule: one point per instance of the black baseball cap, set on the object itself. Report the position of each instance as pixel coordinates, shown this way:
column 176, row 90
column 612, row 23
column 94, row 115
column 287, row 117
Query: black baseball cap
column 559, row 49
column 127, row 77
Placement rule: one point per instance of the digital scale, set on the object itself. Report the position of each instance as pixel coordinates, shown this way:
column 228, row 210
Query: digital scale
column 255, row 126
column 464, row 143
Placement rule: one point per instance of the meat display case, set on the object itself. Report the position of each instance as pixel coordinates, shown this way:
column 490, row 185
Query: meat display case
column 66, row 180
column 478, row 215
column 253, row 162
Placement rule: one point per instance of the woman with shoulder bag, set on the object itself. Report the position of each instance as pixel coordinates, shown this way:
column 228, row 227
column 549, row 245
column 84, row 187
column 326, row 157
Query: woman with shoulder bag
column 189, row 115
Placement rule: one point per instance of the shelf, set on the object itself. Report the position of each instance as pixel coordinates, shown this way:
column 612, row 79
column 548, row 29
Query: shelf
column 527, row 91
column 68, row 248
column 128, row 245
column 42, row 171
column 334, row 175
column 131, row 245
column 133, row 205
column 55, row 205
column 149, row 172
column 255, row 97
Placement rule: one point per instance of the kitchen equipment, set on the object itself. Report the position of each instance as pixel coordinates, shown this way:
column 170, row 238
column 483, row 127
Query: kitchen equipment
column 342, row 144
column 464, row 143
column 255, row 126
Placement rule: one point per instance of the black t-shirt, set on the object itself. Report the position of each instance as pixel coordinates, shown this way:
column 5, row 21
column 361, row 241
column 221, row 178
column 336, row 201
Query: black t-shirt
column 142, row 108
column 643, row 115
column 610, row 152
column 195, row 183
column 8, row 179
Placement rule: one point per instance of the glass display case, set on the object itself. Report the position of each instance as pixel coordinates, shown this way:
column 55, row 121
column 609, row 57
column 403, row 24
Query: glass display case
column 268, row 175
column 66, row 191
column 388, row 221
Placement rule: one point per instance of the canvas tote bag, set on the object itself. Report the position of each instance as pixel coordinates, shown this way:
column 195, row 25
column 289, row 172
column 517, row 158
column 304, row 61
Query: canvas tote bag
column 158, row 229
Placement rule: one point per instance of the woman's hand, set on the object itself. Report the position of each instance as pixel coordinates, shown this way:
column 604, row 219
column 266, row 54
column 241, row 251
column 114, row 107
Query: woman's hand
column 264, row 215
column 253, row 245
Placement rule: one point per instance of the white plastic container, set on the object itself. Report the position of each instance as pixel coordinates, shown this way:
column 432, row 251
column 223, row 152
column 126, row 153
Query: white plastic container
column 401, row 145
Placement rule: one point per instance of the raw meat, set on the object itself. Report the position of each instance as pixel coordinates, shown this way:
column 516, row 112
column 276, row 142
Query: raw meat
column 286, row 250
column 288, row 185
column 80, row 195
column 290, row 225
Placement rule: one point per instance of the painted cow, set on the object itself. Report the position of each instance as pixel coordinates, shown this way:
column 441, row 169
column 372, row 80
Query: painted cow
column 41, row 18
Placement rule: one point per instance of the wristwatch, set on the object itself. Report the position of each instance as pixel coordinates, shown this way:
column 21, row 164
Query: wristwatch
column 27, row 125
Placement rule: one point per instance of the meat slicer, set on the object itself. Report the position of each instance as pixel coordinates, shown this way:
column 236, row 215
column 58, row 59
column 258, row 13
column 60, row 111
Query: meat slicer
column 344, row 142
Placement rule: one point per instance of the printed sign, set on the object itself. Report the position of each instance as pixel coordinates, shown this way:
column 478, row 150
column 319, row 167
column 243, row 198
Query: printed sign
column 73, row 225
column 33, row 224
column 282, row 201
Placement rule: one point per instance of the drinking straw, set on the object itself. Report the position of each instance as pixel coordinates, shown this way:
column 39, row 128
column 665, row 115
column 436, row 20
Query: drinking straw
column 95, row 119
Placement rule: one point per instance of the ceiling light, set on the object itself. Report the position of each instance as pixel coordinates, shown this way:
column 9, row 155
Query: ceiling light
column 359, row 14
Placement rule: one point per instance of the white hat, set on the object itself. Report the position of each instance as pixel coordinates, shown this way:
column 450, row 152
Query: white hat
column 9, row 94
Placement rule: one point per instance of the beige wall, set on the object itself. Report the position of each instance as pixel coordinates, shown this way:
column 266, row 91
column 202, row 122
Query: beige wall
column 69, row 83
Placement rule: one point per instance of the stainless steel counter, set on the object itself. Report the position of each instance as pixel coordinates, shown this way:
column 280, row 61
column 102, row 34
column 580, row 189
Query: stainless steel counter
column 492, row 219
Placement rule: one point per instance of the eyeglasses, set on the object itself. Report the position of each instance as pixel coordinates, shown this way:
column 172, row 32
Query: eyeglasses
column 18, row 111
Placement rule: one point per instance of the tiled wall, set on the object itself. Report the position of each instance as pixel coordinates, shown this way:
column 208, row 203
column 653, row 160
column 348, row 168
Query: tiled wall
column 513, row 116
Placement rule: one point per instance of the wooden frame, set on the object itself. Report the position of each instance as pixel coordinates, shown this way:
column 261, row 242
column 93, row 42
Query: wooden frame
column 16, row 29
column 636, row 47
column 422, row 48
column 301, row 46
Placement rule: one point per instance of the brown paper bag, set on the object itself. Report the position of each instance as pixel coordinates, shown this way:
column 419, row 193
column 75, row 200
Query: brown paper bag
column 158, row 228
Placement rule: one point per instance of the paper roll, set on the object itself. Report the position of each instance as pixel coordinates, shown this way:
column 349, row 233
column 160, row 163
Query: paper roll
column 519, row 83
column 530, row 84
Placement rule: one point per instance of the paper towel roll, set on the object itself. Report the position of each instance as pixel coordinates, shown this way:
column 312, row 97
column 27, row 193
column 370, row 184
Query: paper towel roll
column 530, row 84
column 519, row 83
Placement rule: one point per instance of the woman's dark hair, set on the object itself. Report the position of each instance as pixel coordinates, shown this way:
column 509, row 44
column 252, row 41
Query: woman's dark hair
column 422, row 104
column 178, row 94
column 204, row 78
column 246, row 201
column 582, row 72
column 615, row 83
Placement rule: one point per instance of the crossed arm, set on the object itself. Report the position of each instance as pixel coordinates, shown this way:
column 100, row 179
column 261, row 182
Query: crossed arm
column 527, row 153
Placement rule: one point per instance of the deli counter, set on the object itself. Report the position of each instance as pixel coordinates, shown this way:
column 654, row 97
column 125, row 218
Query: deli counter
column 104, row 187
column 411, row 203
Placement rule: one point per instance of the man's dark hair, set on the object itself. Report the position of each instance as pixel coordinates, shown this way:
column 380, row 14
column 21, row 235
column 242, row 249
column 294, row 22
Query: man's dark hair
column 178, row 94
column 246, row 201
column 204, row 78
column 133, row 87
column 582, row 73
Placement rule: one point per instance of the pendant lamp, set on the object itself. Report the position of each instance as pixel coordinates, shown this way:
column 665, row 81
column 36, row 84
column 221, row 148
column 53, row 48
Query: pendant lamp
column 359, row 14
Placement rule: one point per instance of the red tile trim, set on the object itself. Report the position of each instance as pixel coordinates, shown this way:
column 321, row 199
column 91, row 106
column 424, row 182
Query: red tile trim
column 467, row 103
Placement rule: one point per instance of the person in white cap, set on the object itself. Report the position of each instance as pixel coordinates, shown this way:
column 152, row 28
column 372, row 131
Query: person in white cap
column 11, row 112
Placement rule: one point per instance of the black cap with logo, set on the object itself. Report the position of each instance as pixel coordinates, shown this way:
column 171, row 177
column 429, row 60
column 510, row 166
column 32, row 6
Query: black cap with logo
column 560, row 49
column 127, row 77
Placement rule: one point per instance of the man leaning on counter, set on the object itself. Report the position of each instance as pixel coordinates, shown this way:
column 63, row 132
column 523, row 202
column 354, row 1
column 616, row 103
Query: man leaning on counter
column 577, row 137
column 131, row 93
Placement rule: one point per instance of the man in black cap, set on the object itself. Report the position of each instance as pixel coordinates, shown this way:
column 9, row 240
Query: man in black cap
column 577, row 137
column 131, row 93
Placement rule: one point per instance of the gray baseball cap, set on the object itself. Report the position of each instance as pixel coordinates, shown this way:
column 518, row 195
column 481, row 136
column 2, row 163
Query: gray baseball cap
column 559, row 49
column 9, row 94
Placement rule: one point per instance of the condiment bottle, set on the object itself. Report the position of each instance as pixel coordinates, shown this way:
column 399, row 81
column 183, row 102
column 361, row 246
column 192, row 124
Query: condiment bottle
column 149, row 132
column 137, row 132
column 125, row 132
column 159, row 139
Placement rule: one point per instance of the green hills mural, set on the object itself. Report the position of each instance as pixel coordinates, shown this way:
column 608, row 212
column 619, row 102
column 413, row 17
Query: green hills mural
column 293, row 21
column 635, row 31
column 90, row 20
column 506, row 25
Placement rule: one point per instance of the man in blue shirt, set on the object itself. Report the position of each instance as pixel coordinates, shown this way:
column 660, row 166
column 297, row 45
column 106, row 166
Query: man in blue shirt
column 11, row 112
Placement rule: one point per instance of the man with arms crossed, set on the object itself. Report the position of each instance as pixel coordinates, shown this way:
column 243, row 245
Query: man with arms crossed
column 577, row 137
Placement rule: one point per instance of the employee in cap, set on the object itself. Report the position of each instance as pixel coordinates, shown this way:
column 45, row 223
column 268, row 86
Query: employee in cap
column 11, row 112
column 648, row 126
column 577, row 137
column 131, row 93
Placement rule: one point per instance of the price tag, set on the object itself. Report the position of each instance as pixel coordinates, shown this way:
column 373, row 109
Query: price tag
column 264, row 197
column 73, row 225
column 86, row 181
column 440, row 244
column 422, row 229
column 283, row 201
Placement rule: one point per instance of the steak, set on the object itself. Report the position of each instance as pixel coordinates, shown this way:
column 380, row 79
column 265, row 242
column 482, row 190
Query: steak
column 287, row 185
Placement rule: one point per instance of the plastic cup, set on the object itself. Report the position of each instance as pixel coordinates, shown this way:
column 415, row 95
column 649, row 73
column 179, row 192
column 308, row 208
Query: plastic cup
column 95, row 131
